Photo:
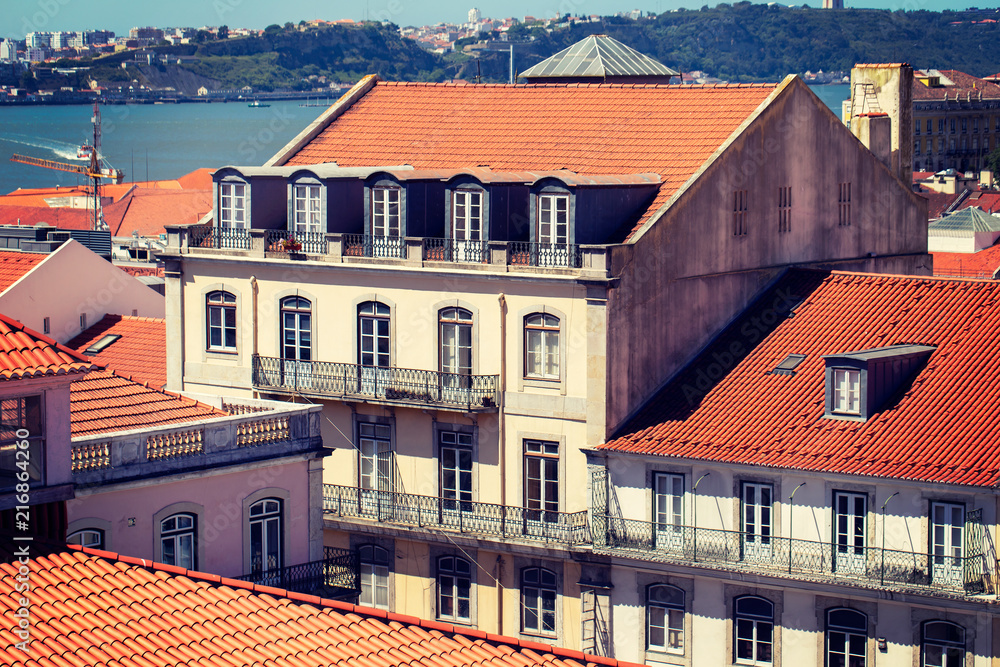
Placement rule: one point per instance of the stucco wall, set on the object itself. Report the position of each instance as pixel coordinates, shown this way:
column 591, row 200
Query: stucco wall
column 689, row 274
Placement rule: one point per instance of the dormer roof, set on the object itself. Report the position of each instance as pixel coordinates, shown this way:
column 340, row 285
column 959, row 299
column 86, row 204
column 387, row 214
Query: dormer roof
column 598, row 57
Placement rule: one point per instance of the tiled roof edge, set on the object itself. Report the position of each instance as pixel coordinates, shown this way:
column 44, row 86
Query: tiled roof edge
column 14, row 324
column 303, row 598
column 313, row 130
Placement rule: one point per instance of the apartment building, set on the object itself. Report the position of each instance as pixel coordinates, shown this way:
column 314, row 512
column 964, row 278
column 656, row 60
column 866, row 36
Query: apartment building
column 475, row 282
column 828, row 498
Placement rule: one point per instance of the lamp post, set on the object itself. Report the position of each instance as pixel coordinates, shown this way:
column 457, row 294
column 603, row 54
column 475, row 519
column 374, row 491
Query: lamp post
column 881, row 573
column 791, row 522
column 694, row 491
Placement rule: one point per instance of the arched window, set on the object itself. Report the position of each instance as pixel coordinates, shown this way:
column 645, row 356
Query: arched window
column 296, row 329
column 221, row 320
column 373, row 334
column 846, row 638
column 665, row 619
column 374, row 566
column 753, row 625
column 541, row 346
column 454, row 583
column 538, row 601
column 455, row 325
column 266, row 536
column 88, row 537
column 942, row 644
column 177, row 540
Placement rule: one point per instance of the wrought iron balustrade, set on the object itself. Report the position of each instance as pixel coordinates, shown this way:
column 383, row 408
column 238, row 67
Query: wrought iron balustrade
column 463, row 516
column 283, row 240
column 368, row 245
column 780, row 555
column 544, row 254
column 452, row 250
column 406, row 385
column 336, row 576
column 220, row 237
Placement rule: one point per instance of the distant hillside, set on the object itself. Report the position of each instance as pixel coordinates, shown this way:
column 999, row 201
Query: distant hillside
column 741, row 42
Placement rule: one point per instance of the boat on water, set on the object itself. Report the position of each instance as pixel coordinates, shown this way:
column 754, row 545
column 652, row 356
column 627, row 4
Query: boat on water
column 258, row 105
column 84, row 151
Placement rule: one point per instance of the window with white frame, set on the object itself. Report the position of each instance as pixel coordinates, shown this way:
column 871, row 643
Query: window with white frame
column 385, row 212
column 467, row 215
column 266, row 536
column 221, row 321
column 373, row 334
column 541, row 480
column 455, row 326
column 942, row 644
column 88, row 537
column 177, row 540
column 456, row 470
column 22, row 441
column 296, row 328
column 232, row 205
column 541, row 346
column 665, row 619
column 753, row 626
column 553, row 220
column 538, row 601
column 374, row 566
column 307, row 213
column 846, row 638
column 375, row 456
column 846, row 391
column 454, row 584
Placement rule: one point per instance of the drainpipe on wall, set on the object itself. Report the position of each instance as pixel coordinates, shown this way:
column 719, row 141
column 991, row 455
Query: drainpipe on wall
column 502, row 388
column 498, row 578
column 253, row 315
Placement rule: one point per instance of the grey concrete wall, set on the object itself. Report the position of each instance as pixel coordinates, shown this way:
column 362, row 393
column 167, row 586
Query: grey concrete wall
column 688, row 275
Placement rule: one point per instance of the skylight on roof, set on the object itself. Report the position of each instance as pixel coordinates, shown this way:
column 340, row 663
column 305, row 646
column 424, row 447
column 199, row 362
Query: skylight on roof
column 789, row 364
column 102, row 344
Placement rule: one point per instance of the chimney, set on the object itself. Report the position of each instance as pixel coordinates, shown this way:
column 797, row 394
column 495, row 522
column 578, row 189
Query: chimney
column 888, row 90
column 874, row 130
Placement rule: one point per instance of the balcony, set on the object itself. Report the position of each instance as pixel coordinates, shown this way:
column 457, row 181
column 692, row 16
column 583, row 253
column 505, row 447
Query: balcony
column 114, row 457
column 337, row 576
column 459, row 516
column 822, row 561
column 589, row 261
column 367, row 383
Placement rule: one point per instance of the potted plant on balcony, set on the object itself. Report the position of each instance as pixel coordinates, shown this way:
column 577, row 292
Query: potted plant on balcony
column 291, row 244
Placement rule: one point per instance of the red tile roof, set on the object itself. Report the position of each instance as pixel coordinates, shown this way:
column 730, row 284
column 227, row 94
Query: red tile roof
column 25, row 353
column 982, row 264
column 988, row 200
column 104, row 402
column 964, row 85
column 670, row 130
column 62, row 217
column 751, row 416
column 96, row 608
column 14, row 264
column 937, row 202
column 140, row 353
column 147, row 210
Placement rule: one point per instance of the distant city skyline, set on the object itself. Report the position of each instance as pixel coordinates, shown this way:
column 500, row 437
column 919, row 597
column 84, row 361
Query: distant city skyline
column 24, row 16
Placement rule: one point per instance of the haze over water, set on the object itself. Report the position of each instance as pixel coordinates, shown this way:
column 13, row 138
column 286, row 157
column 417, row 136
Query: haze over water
column 165, row 141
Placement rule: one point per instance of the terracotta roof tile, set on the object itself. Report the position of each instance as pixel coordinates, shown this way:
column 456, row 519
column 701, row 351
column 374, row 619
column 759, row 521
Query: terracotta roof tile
column 982, row 264
column 140, row 353
column 61, row 217
column 591, row 128
column 105, row 401
column 266, row 630
column 25, row 353
column 14, row 264
column 752, row 416
column 147, row 210
column 964, row 85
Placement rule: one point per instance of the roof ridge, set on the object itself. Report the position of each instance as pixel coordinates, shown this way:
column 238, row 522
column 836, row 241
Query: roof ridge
column 303, row 598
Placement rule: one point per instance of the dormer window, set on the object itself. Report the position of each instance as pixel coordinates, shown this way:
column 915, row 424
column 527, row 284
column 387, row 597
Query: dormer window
column 307, row 209
column 233, row 205
column 385, row 212
column 553, row 220
column 553, row 234
column 846, row 391
column 858, row 384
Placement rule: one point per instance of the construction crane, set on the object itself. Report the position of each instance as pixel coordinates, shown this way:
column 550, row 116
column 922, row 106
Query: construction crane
column 97, row 170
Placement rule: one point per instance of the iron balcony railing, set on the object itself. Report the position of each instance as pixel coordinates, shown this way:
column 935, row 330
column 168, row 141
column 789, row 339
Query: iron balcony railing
column 544, row 254
column 452, row 250
column 283, row 240
column 367, row 245
column 778, row 555
column 323, row 378
column 337, row 576
column 463, row 516
column 220, row 237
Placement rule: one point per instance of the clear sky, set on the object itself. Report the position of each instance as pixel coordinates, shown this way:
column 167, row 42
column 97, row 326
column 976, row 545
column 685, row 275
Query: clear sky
column 22, row 16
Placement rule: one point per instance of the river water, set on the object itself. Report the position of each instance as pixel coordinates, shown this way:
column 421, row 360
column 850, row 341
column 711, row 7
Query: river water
column 165, row 141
